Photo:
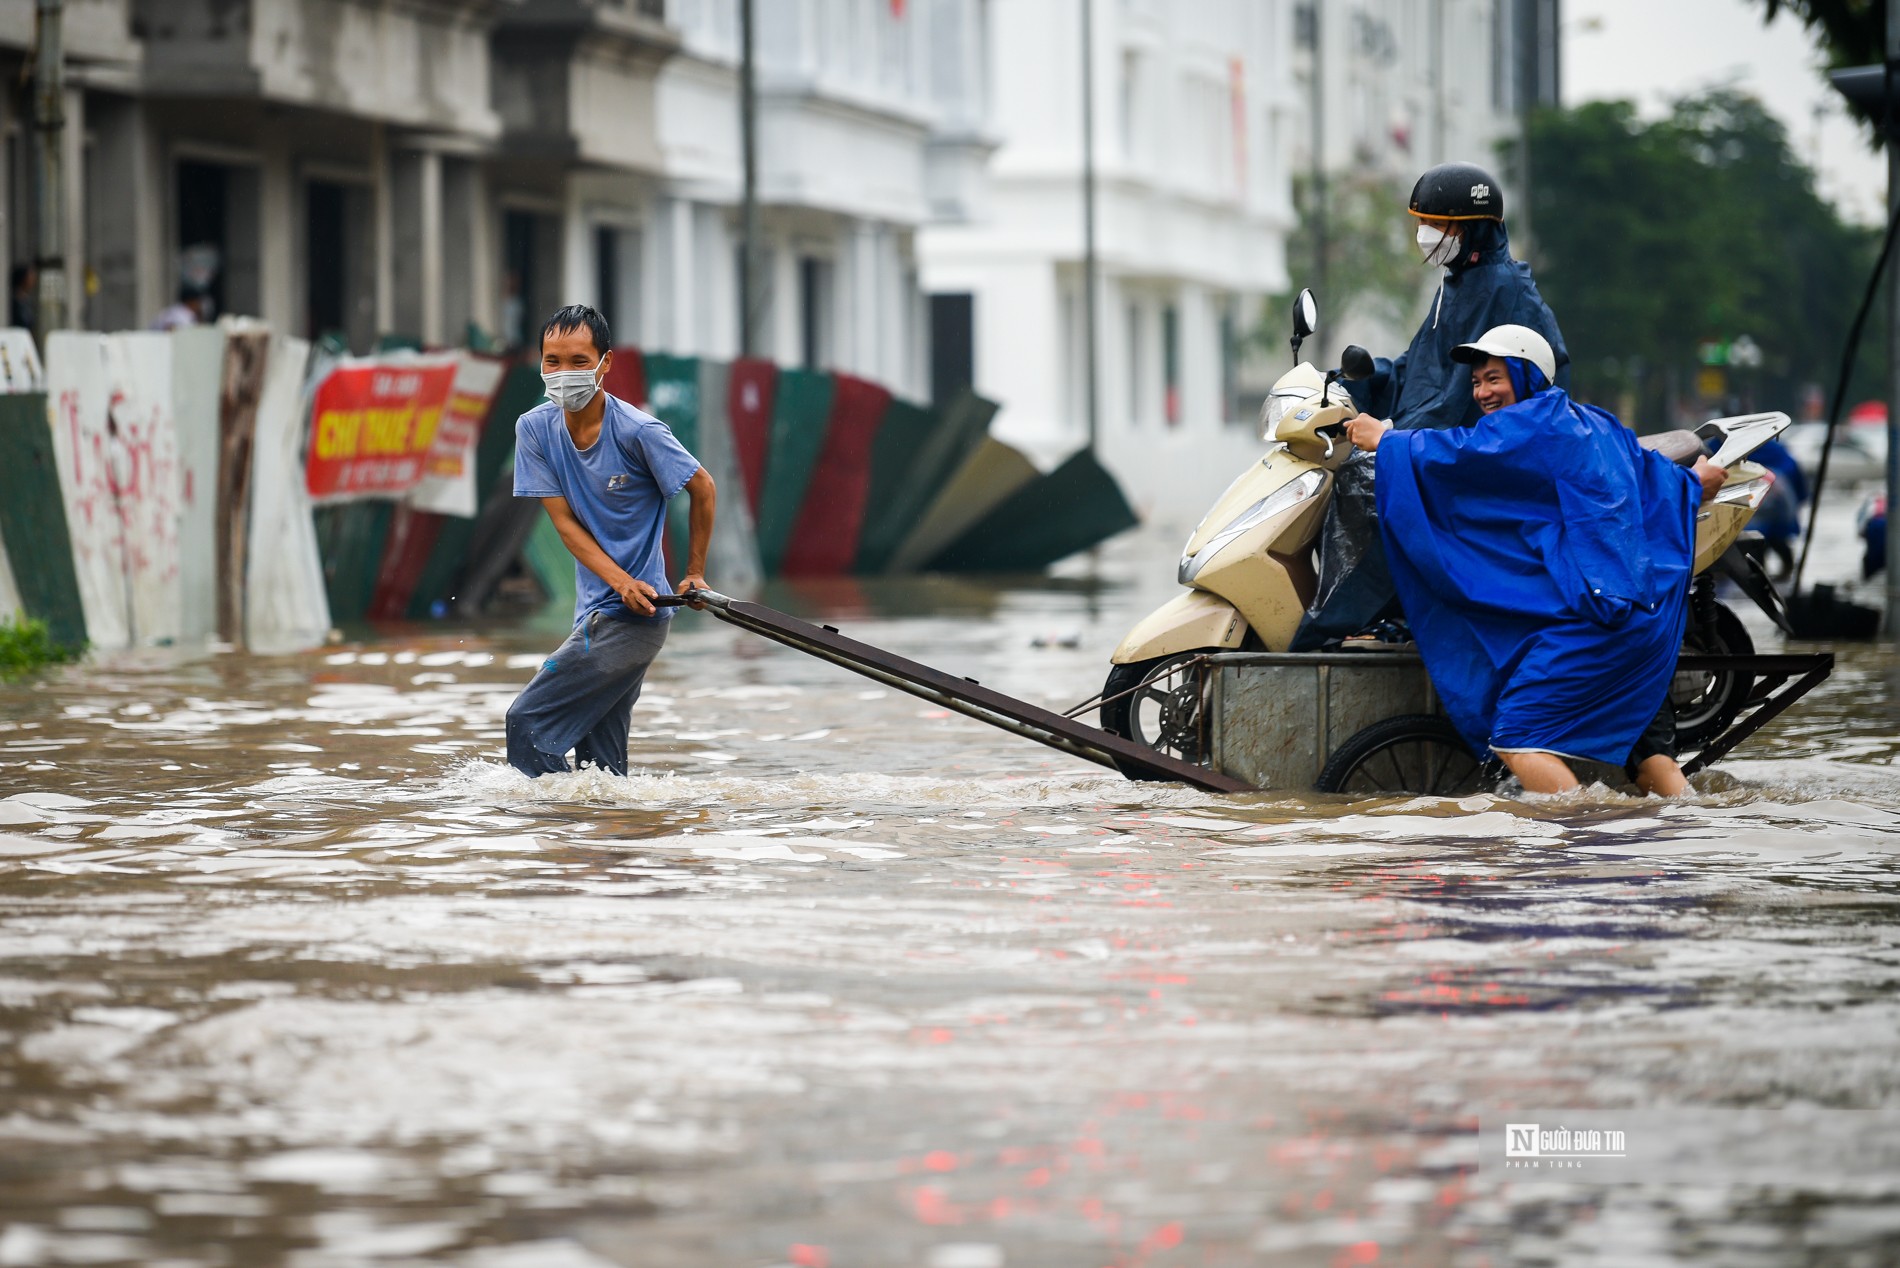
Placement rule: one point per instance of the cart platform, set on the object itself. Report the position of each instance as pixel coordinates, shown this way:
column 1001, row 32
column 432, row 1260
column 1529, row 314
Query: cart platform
column 1284, row 719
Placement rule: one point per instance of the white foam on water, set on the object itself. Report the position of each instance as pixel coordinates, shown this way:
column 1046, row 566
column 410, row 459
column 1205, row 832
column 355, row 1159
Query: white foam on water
column 494, row 782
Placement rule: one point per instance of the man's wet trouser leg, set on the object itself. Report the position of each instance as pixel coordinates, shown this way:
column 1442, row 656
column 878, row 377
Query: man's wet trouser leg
column 583, row 697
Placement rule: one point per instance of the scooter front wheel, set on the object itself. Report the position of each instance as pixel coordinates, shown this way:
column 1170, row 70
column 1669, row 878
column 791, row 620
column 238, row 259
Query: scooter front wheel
column 1160, row 702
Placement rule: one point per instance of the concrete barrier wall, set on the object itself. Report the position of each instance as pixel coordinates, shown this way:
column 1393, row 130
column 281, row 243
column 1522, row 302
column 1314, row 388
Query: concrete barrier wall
column 178, row 466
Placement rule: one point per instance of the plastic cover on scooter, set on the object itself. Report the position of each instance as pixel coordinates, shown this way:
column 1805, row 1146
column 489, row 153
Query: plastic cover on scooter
column 1355, row 588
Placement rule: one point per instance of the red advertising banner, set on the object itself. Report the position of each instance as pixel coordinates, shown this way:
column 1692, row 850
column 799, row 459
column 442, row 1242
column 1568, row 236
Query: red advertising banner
column 372, row 425
column 472, row 391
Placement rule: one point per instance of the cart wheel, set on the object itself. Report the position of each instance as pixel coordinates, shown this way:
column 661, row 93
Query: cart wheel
column 1415, row 753
column 1707, row 701
column 1160, row 705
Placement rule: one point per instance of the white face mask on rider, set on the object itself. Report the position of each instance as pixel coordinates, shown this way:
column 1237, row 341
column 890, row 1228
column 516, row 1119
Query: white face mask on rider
column 572, row 389
column 1440, row 248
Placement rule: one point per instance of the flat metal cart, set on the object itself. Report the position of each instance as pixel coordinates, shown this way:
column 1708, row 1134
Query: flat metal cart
column 1359, row 723
column 1368, row 723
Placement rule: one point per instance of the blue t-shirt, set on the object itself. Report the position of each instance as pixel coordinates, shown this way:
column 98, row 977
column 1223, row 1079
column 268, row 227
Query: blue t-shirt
column 617, row 488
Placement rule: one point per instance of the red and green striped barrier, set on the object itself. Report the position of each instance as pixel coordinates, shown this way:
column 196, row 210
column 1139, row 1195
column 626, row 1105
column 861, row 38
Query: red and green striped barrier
column 820, row 474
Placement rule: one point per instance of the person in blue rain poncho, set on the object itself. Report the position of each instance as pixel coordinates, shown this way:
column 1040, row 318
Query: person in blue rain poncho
column 1459, row 211
column 1544, row 560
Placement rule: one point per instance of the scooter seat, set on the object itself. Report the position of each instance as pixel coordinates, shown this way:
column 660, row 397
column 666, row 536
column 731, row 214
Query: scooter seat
column 1680, row 447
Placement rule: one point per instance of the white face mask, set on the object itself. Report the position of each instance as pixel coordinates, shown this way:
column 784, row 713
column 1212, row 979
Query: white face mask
column 572, row 389
column 1440, row 248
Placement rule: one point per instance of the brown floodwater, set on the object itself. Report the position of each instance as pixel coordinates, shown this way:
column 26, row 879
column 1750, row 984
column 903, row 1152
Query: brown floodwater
column 294, row 971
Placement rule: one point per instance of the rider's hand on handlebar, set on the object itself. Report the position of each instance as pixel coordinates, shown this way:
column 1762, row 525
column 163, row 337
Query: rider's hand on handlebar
column 1366, row 431
column 1712, row 477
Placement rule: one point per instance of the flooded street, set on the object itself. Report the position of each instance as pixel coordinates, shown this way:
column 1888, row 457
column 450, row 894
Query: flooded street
column 294, row 971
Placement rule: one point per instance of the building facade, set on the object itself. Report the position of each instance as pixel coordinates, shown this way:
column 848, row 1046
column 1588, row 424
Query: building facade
column 433, row 168
column 1204, row 116
column 428, row 169
column 1194, row 109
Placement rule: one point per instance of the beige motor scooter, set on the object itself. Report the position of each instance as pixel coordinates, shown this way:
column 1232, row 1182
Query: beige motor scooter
column 1250, row 571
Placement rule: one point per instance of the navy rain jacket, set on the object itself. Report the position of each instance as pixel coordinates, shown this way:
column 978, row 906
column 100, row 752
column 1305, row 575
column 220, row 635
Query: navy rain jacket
column 1424, row 387
column 1483, row 288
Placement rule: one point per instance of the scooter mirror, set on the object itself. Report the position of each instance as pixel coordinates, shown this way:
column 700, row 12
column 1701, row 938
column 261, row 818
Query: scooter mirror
column 1305, row 320
column 1355, row 363
column 1305, row 315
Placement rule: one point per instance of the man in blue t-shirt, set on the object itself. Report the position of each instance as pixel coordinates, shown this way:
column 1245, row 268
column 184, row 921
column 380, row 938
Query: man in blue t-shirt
column 604, row 470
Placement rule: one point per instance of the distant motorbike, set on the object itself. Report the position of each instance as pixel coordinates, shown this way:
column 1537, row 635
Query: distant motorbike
column 1250, row 567
column 1871, row 522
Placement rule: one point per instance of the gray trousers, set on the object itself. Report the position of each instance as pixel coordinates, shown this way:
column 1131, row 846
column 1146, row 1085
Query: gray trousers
column 583, row 697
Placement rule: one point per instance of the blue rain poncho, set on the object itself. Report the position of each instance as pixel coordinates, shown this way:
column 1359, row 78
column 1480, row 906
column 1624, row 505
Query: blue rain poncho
column 1543, row 559
column 1423, row 387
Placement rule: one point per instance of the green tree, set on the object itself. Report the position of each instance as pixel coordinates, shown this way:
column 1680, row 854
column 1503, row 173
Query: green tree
column 1850, row 32
column 1656, row 236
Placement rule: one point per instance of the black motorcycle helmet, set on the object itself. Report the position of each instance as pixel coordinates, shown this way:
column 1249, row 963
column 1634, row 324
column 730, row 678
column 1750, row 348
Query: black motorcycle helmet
column 1457, row 191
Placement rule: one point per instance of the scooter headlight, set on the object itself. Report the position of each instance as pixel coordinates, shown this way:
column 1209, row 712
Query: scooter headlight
column 1275, row 408
column 1284, row 498
column 1271, row 412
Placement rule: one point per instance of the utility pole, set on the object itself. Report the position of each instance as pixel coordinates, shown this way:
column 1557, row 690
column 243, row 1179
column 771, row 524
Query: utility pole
column 749, row 280
column 49, row 99
column 1893, row 333
column 1320, row 250
column 1527, row 22
column 1089, row 316
column 1441, row 151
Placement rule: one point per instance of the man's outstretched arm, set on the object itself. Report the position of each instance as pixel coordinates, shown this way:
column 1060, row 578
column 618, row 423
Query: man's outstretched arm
column 699, row 527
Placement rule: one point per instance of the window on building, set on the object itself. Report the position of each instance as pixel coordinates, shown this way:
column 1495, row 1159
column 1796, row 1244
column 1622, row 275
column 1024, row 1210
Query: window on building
column 1137, row 380
column 617, row 265
column 517, row 277
column 1171, row 365
column 607, row 275
column 1130, row 107
column 1229, row 362
column 815, row 338
column 326, row 249
column 19, row 243
column 952, row 344
column 530, row 275
column 1073, row 358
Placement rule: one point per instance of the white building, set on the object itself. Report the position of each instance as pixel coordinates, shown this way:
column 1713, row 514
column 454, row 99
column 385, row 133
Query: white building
column 1194, row 109
column 1204, row 115
column 417, row 166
